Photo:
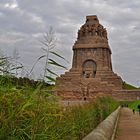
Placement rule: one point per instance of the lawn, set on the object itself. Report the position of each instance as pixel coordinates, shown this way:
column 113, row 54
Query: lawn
column 134, row 104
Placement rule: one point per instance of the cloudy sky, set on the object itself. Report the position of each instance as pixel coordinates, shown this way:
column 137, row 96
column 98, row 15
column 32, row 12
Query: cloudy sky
column 23, row 22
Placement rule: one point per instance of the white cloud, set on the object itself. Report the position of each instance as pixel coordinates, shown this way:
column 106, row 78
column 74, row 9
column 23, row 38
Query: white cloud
column 12, row 5
column 22, row 23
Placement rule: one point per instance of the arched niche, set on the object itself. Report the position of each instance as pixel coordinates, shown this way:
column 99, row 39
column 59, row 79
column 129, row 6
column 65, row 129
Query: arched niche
column 89, row 69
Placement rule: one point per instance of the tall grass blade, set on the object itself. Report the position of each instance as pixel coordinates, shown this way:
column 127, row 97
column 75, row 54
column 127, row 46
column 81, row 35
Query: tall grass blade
column 52, row 72
column 51, row 79
column 56, row 64
column 56, row 54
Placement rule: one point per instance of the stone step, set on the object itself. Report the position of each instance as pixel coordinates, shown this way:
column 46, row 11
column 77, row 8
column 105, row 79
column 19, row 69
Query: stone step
column 106, row 74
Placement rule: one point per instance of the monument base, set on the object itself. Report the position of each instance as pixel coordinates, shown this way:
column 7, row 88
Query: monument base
column 72, row 85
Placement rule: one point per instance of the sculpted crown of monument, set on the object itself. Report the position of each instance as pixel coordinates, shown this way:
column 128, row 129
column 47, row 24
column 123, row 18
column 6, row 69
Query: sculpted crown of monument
column 91, row 71
column 92, row 27
column 92, row 32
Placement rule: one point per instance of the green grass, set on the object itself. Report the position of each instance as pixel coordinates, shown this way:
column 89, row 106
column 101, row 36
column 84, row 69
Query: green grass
column 124, row 102
column 129, row 86
column 134, row 104
column 33, row 114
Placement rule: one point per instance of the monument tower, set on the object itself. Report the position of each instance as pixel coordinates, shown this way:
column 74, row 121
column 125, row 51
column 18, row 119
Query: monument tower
column 91, row 71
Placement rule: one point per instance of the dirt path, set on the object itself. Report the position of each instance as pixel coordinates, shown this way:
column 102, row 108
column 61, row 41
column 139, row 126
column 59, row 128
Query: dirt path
column 129, row 125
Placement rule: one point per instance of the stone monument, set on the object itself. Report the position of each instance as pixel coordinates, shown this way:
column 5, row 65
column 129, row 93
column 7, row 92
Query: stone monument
column 91, row 71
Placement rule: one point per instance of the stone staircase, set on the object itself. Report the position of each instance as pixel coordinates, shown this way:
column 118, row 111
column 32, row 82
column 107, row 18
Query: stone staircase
column 74, row 84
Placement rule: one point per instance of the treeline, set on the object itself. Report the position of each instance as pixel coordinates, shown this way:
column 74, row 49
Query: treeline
column 20, row 81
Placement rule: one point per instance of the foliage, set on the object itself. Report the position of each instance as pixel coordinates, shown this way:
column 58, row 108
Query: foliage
column 8, row 81
column 23, row 114
column 124, row 103
column 80, row 120
column 49, row 42
column 33, row 114
column 7, row 66
column 15, row 58
column 134, row 104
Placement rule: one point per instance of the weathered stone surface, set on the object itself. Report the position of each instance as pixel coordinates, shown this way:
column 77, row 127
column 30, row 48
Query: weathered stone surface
column 92, row 67
column 105, row 130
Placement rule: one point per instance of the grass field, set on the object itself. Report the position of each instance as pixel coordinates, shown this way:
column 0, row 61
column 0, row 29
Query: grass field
column 134, row 104
column 129, row 86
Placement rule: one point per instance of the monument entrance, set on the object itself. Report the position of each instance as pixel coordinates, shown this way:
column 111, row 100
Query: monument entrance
column 89, row 69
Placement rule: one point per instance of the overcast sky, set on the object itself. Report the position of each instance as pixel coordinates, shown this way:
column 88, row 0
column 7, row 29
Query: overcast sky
column 22, row 23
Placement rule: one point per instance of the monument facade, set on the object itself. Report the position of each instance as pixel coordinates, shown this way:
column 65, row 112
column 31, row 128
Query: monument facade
column 91, row 71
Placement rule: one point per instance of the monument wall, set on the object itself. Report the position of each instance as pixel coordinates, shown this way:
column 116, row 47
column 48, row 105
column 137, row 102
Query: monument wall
column 91, row 67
